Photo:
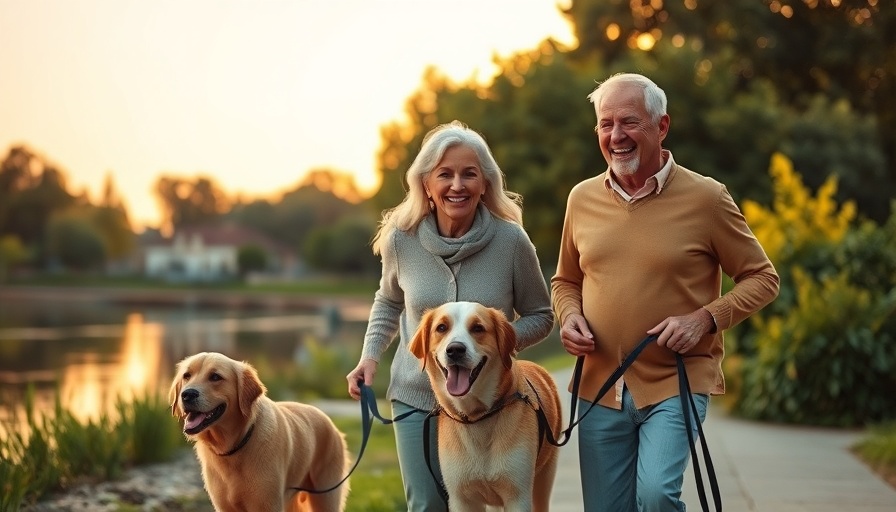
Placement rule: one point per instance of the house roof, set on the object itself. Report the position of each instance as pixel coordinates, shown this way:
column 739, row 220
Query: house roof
column 223, row 234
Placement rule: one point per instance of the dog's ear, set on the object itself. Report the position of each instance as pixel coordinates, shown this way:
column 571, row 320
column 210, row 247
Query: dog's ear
column 174, row 392
column 506, row 337
column 419, row 345
column 249, row 388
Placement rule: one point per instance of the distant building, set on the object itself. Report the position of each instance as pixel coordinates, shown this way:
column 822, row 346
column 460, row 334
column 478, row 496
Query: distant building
column 210, row 253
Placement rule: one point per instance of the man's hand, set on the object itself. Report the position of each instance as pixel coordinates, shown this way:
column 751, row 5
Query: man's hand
column 576, row 336
column 681, row 333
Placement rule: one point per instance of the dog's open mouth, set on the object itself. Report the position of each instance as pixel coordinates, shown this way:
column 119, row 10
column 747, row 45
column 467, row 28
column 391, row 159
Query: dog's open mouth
column 459, row 379
column 197, row 421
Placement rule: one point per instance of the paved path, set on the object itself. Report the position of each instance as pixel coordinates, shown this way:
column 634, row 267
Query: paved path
column 760, row 467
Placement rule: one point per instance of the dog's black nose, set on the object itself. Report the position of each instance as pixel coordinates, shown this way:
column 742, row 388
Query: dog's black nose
column 188, row 395
column 456, row 350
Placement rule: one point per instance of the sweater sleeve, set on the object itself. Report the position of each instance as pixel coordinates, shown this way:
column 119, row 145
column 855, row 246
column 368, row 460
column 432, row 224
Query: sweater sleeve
column 744, row 260
column 566, row 284
column 531, row 299
column 388, row 305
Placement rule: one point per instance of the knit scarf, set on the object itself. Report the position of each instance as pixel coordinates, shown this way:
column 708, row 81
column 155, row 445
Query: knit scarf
column 453, row 250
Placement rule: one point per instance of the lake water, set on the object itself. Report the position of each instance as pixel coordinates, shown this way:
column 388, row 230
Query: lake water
column 91, row 349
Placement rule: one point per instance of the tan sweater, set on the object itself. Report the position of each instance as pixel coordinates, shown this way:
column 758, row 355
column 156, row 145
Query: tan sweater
column 627, row 266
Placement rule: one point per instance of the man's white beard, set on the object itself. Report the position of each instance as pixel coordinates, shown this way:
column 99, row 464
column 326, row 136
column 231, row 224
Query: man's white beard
column 627, row 167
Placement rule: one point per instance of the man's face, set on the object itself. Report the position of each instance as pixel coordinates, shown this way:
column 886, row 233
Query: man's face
column 629, row 139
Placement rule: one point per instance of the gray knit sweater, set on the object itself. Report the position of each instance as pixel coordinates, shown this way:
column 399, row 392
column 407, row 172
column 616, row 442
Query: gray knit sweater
column 494, row 263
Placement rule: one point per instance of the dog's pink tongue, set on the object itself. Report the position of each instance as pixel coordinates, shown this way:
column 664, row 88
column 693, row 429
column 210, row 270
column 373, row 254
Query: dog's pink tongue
column 193, row 420
column 458, row 380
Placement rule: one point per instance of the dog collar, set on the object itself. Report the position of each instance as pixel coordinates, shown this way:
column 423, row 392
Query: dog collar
column 463, row 418
column 242, row 442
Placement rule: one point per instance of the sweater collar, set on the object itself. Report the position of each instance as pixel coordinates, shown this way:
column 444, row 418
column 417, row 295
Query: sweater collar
column 453, row 250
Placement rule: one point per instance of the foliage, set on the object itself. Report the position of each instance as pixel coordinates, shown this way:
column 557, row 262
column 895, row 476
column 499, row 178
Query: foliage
column 822, row 351
column 878, row 449
column 147, row 432
column 50, row 452
column 376, row 483
column 847, row 55
column 12, row 253
column 311, row 219
column 186, row 201
column 824, row 369
column 31, row 190
column 343, row 247
column 251, row 258
column 74, row 242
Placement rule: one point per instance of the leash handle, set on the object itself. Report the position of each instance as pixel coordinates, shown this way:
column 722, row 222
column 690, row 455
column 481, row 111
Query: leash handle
column 369, row 410
column 691, row 416
column 574, row 392
column 688, row 407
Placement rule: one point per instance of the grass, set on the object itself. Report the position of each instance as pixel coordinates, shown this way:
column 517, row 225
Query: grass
column 41, row 455
column 878, row 450
column 376, row 483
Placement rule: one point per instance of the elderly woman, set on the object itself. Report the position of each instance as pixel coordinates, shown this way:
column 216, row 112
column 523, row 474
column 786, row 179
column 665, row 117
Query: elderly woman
column 456, row 236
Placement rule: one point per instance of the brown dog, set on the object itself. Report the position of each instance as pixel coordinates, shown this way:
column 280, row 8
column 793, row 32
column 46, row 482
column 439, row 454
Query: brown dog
column 253, row 450
column 490, row 450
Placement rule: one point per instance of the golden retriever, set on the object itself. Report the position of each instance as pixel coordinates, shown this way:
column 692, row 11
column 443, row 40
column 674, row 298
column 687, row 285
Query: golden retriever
column 491, row 449
column 254, row 451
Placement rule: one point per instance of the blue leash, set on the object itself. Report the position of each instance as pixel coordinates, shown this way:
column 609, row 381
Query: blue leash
column 688, row 407
column 369, row 410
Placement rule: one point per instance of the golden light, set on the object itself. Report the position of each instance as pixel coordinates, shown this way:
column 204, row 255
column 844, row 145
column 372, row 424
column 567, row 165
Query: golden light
column 645, row 41
column 613, row 32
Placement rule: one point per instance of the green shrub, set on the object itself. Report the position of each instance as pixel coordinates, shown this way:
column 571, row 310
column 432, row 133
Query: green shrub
column 48, row 453
column 827, row 360
column 152, row 435
column 878, row 448
column 825, row 348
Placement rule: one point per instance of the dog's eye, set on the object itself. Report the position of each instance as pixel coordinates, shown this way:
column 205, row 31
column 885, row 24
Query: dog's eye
column 215, row 377
column 441, row 328
column 477, row 328
column 187, row 375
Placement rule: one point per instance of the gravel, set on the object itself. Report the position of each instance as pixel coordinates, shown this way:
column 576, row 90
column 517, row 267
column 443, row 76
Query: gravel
column 170, row 487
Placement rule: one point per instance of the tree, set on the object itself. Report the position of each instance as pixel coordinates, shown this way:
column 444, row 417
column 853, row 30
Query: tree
column 320, row 200
column 535, row 117
column 12, row 253
column 844, row 51
column 74, row 242
column 342, row 247
column 251, row 258
column 111, row 219
column 185, row 201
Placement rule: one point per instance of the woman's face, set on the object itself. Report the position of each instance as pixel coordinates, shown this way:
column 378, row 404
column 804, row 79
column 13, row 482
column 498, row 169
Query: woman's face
column 456, row 185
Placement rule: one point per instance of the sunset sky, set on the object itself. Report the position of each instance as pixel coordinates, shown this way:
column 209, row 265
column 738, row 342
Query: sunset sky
column 252, row 93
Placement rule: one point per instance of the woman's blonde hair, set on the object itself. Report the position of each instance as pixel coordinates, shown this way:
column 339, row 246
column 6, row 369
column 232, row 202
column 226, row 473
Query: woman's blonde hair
column 415, row 205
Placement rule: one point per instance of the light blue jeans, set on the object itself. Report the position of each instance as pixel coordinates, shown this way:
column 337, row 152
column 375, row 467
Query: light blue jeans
column 420, row 488
column 635, row 459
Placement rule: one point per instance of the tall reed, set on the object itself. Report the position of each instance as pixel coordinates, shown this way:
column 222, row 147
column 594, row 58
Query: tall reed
column 41, row 455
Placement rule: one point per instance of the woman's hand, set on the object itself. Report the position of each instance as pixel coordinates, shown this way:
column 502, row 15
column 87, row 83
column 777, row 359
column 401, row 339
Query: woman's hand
column 365, row 371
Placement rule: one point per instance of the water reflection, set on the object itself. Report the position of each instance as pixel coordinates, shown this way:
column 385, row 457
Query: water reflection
column 90, row 357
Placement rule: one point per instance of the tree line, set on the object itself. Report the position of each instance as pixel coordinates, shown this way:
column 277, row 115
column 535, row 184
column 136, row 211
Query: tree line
column 791, row 104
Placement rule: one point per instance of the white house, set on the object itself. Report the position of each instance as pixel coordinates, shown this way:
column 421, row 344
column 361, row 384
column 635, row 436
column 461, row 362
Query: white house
column 209, row 253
